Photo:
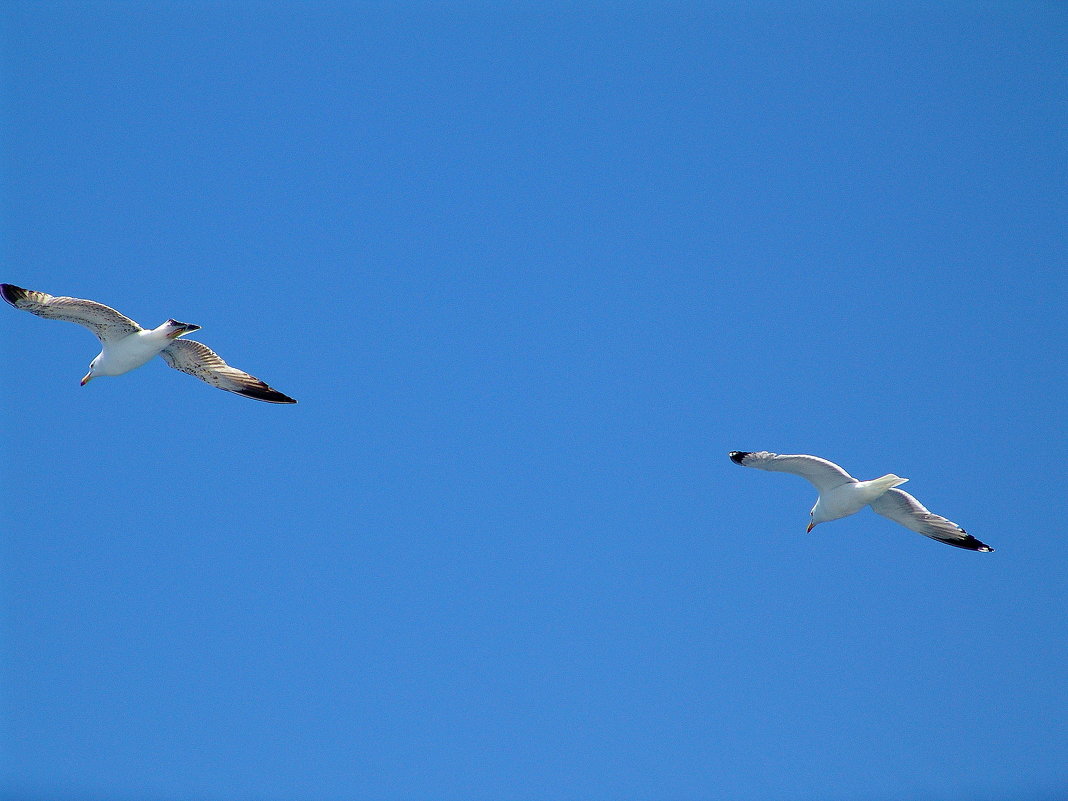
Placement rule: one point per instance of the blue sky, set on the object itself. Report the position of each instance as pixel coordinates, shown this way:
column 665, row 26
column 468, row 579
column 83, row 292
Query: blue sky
column 532, row 271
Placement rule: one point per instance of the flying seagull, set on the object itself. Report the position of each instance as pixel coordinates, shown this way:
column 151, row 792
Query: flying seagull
column 842, row 495
column 127, row 345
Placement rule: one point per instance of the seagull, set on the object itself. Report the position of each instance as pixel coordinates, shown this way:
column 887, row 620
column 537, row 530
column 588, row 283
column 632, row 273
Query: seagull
column 842, row 495
column 126, row 345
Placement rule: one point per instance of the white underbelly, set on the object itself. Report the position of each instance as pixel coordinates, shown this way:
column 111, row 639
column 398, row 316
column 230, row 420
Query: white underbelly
column 130, row 353
column 845, row 500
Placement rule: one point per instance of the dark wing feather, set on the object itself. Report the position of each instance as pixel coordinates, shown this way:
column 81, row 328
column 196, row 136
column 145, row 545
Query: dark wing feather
column 902, row 508
column 200, row 361
column 104, row 321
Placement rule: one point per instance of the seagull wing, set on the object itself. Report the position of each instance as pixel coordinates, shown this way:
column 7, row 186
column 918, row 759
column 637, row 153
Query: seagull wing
column 201, row 361
column 902, row 508
column 104, row 321
column 824, row 475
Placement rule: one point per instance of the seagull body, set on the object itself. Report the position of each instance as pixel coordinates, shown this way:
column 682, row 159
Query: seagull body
column 842, row 495
column 121, row 355
column 850, row 498
column 126, row 345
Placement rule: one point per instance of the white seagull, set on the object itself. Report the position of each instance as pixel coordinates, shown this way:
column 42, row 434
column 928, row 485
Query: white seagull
column 842, row 495
column 126, row 345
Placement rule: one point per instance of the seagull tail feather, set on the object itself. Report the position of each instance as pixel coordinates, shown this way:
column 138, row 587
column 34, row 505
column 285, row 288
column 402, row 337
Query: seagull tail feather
column 887, row 481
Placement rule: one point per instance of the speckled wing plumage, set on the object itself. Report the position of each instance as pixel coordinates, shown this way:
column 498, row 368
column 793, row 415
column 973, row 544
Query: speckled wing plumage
column 902, row 508
column 201, row 361
column 108, row 324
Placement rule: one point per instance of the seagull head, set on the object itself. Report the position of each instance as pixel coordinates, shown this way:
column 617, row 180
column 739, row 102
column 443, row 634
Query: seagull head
column 815, row 517
column 176, row 329
column 91, row 374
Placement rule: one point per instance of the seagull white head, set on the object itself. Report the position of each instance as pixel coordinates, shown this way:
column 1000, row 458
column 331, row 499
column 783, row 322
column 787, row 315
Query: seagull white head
column 91, row 374
column 817, row 515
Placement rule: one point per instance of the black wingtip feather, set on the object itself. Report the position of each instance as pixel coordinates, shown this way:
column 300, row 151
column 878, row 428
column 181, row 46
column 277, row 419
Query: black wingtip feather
column 265, row 393
column 737, row 456
column 13, row 294
column 969, row 543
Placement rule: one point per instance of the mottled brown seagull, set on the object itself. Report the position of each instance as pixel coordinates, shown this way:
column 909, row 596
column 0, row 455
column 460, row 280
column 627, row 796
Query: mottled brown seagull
column 126, row 345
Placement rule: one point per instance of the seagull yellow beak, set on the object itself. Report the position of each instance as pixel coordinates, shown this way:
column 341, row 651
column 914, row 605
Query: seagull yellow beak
column 810, row 527
column 86, row 379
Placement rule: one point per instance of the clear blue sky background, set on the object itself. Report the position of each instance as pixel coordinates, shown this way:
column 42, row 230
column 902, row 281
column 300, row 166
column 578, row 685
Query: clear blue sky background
column 532, row 271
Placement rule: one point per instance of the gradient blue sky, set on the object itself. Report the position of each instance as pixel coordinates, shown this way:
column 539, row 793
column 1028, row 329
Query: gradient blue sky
column 532, row 271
